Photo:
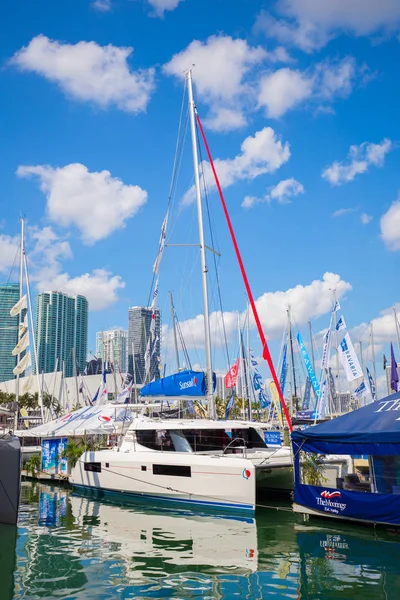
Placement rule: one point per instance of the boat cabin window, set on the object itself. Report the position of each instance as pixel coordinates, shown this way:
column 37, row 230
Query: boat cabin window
column 208, row 440
column 94, row 467
column 163, row 440
column 351, row 473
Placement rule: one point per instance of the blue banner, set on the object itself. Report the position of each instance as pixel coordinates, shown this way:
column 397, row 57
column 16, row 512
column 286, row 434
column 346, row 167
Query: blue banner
column 185, row 383
column 272, row 438
column 309, row 367
column 307, row 395
column 376, row 508
column 284, row 370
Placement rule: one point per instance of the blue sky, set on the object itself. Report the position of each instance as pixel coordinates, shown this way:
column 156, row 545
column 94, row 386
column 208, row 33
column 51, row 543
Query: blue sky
column 310, row 90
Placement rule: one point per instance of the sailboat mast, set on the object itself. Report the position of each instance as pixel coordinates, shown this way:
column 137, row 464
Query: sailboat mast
column 397, row 327
column 312, row 346
column 339, row 395
column 373, row 359
column 21, row 267
column 209, row 371
column 171, row 302
column 292, row 356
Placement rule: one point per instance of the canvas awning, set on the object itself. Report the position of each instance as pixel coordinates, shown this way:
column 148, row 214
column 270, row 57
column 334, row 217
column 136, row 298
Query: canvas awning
column 373, row 429
column 90, row 420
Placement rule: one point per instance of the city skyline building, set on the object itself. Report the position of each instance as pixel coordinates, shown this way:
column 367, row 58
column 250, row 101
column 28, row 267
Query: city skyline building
column 61, row 332
column 9, row 296
column 140, row 338
column 111, row 347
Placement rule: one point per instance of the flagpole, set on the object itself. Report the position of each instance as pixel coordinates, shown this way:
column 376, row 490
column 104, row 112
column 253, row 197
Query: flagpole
column 75, row 374
column 336, row 350
column 134, row 371
column 204, row 269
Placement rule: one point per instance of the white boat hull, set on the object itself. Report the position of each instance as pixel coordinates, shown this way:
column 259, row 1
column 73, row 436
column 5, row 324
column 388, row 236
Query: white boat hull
column 208, row 482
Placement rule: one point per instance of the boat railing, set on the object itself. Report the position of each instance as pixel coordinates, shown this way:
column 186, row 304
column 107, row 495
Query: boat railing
column 242, row 448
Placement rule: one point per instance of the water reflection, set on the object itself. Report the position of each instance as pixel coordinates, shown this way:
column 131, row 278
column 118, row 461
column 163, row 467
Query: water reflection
column 71, row 546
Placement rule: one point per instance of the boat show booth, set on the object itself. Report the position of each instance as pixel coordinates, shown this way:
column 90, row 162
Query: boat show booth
column 370, row 437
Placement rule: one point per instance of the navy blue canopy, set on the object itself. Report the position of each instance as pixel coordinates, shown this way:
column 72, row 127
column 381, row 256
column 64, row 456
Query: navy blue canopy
column 184, row 383
column 373, row 429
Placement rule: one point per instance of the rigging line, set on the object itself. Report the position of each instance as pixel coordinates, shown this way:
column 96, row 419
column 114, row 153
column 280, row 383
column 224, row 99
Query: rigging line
column 266, row 352
column 212, row 245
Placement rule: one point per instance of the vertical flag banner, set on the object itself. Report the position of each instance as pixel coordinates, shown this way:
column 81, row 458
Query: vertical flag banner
column 232, row 374
column 282, row 381
column 372, row 385
column 309, row 367
column 349, row 359
column 394, row 376
column 19, row 307
column 325, row 350
column 332, row 384
column 258, row 384
column 307, row 395
column 276, row 401
column 341, row 324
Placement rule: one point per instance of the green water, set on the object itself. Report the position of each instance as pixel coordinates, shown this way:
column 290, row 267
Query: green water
column 69, row 546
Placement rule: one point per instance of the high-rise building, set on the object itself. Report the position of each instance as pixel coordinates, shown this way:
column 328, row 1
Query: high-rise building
column 9, row 296
column 111, row 347
column 61, row 331
column 139, row 337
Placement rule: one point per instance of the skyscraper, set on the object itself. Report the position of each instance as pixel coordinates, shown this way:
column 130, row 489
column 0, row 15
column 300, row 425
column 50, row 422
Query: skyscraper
column 111, row 347
column 61, row 328
column 9, row 296
column 139, row 338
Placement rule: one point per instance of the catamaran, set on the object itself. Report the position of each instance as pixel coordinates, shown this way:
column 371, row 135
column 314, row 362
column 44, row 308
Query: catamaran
column 205, row 462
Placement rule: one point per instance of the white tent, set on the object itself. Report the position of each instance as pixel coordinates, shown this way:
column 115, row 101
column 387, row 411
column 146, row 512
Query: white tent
column 104, row 419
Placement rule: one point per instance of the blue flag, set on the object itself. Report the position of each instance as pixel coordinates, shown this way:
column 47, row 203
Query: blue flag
column 284, row 370
column 394, row 376
column 372, row 385
column 229, row 405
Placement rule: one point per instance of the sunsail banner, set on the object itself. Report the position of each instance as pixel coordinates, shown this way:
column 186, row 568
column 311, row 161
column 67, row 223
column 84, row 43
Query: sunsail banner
column 309, row 367
column 349, row 359
column 185, row 383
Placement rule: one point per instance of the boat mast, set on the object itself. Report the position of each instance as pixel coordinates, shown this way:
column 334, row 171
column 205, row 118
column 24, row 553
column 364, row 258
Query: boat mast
column 294, row 394
column 204, row 270
column 373, row 360
column 397, row 327
column 21, row 266
column 171, row 302
column 337, row 352
column 312, row 346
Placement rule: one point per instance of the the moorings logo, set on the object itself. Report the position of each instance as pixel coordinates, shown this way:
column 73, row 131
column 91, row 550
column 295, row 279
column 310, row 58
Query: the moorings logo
column 329, row 501
column 184, row 385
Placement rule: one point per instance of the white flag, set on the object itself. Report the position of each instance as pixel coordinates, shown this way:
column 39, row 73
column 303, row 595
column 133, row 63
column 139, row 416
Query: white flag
column 147, row 359
column 17, row 308
column 361, row 390
column 23, row 326
column 27, row 384
column 124, row 396
column 349, row 359
column 336, row 306
column 22, row 345
column 325, row 350
column 23, row 364
column 161, row 245
column 341, row 324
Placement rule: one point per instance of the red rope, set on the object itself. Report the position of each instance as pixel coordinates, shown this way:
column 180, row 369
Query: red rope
column 266, row 352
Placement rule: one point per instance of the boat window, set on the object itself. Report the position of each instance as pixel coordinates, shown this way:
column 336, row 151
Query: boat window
column 155, row 439
column 174, row 470
column 180, row 442
column 95, row 467
column 340, row 472
column 387, row 474
column 207, row 440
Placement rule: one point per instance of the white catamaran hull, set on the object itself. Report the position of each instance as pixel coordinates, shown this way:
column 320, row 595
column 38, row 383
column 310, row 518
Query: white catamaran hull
column 203, row 481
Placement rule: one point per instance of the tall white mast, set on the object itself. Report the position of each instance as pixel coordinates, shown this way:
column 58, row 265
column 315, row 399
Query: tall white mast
column 21, row 267
column 373, row 360
column 204, row 270
column 397, row 327
column 337, row 353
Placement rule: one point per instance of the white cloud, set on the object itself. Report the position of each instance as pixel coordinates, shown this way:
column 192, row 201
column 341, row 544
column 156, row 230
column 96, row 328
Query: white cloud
column 310, row 24
column 99, row 287
column 384, row 328
column 365, row 218
column 307, row 302
column 286, row 88
column 262, row 153
column 89, row 72
column 9, row 247
column 282, row 192
column 102, row 5
column 390, row 226
column 343, row 211
column 160, row 6
column 222, row 76
column 360, row 158
column 96, row 203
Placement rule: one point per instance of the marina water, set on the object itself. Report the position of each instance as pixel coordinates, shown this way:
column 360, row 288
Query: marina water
column 74, row 547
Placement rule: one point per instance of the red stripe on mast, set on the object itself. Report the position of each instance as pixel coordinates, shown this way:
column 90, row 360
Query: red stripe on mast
column 266, row 352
